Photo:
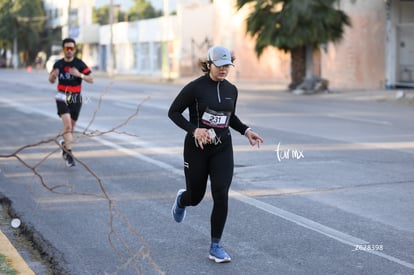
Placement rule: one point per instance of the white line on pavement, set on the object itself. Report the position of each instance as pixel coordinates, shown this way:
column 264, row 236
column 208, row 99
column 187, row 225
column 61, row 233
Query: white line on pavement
column 317, row 227
column 380, row 122
column 289, row 216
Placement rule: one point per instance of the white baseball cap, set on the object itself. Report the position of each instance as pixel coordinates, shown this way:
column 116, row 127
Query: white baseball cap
column 219, row 55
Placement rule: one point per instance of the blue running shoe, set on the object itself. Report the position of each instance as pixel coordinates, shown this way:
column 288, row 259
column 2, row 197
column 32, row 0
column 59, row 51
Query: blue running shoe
column 218, row 254
column 178, row 213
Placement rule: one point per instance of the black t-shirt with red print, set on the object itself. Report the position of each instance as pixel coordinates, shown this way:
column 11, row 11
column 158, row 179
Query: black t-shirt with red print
column 68, row 83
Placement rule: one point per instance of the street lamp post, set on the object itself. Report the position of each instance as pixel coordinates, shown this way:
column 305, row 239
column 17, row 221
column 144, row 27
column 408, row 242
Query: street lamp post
column 111, row 54
column 165, row 37
column 15, row 47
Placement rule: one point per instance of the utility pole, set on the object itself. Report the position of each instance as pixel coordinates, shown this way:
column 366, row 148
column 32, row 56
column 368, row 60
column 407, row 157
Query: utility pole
column 69, row 8
column 15, row 56
column 15, row 47
column 68, row 22
column 111, row 54
column 165, row 37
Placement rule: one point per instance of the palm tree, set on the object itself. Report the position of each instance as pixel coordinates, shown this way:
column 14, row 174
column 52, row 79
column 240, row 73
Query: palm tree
column 295, row 26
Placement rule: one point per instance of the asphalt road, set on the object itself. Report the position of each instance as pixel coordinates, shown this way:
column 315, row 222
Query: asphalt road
column 330, row 192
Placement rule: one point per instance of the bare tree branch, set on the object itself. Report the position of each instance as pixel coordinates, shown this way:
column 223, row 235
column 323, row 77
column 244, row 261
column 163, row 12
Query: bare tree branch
column 131, row 258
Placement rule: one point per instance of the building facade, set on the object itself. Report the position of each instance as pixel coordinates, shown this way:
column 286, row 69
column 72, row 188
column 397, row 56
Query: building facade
column 377, row 52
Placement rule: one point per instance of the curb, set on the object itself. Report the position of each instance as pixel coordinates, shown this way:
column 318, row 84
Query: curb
column 14, row 258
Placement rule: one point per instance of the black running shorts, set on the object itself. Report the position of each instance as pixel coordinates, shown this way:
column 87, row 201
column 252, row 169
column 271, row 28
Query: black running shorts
column 71, row 104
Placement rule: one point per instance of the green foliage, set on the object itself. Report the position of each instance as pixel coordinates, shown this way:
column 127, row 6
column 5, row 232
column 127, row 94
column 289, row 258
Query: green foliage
column 142, row 9
column 24, row 19
column 5, row 268
column 101, row 15
column 7, row 21
column 289, row 24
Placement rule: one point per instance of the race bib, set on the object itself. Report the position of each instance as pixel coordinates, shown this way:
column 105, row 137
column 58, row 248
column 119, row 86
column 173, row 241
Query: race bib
column 61, row 97
column 215, row 119
column 65, row 97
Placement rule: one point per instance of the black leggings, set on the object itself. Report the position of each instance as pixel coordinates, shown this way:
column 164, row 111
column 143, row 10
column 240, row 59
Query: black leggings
column 217, row 162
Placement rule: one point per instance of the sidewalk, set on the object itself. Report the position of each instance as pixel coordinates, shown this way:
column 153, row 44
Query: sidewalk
column 398, row 94
column 405, row 95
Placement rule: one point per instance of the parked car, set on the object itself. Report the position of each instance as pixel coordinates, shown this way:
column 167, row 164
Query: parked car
column 51, row 61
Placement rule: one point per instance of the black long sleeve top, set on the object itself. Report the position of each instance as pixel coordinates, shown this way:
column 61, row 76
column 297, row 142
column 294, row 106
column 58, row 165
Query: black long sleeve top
column 211, row 104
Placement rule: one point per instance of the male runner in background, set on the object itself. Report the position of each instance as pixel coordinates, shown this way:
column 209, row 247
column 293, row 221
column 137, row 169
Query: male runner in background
column 69, row 71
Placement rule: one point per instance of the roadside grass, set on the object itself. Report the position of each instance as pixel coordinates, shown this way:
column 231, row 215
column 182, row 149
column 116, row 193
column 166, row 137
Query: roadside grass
column 5, row 268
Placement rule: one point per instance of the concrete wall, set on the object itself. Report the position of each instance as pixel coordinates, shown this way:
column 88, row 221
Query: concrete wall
column 230, row 31
column 57, row 12
column 358, row 61
column 140, row 41
column 195, row 34
column 368, row 57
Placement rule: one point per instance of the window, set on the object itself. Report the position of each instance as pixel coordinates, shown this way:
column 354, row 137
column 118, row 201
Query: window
column 136, row 56
column 144, row 57
column 157, row 56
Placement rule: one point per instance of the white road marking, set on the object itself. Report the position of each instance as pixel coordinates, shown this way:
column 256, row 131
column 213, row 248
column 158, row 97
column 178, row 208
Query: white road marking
column 380, row 122
column 289, row 216
column 315, row 226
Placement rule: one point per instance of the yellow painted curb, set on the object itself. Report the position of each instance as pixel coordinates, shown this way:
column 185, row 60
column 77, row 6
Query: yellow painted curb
column 11, row 254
